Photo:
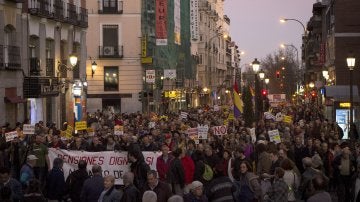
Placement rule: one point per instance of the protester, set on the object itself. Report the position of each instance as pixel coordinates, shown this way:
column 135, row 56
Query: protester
column 176, row 173
column 149, row 196
column 161, row 189
column 33, row 192
column 40, row 150
column 27, row 170
column 110, row 194
column 279, row 189
column 131, row 193
column 7, row 181
column 94, row 186
column 220, row 188
column 138, row 167
column 55, row 185
column 75, row 181
column 319, row 184
column 247, row 188
column 196, row 193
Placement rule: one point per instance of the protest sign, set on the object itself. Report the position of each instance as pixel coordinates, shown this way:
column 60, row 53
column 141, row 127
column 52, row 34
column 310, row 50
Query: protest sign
column 220, row 130
column 253, row 135
column 183, row 115
column 193, row 134
column 269, row 115
column 69, row 131
column 216, row 108
column 288, row 119
column 279, row 117
column 274, row 136
column 28, row 129
column 112, row 163
column 10, row 136
column 152, row 125
column 118, row 130
column 80, row 125
column 203, row 132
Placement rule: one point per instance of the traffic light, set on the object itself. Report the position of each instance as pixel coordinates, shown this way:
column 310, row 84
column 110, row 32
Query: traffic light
column 278, row 74
column 141, row 95
column 264, row 93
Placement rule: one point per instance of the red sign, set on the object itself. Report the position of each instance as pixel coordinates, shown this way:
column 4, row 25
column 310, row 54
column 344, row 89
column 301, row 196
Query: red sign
column 161, row 17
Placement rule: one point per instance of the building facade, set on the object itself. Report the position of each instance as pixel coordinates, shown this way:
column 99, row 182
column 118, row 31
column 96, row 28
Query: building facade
column 114, row 38
column 12, row 104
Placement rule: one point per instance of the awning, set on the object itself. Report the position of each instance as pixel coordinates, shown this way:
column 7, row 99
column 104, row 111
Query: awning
column 14, row 100
column 342, row 93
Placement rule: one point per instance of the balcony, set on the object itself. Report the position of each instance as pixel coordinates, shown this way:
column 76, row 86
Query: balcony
column 228, row 51
column 111, row 52
column 59, row 10
column 83, row 18
column 40, row 8
column 72, row 17
column 110, row 7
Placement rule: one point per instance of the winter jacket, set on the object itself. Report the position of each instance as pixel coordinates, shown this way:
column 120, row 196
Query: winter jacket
column 140, row 169
column 75, row 182
column 163, row 166
column 92, row 189
column 189, row 169
column 55, row 184
column 176, row 174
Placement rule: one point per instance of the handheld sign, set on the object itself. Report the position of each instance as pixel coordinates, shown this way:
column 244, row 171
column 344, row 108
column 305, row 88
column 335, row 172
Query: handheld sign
column 220, row 130
column 28, row 129
column 274, row 136
column 10, row 136
column 203, row 132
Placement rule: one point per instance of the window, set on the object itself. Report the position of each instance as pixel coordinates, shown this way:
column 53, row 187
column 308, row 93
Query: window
column 111, row 78
column 110, row 42
column 201, row 59
column 111, row 7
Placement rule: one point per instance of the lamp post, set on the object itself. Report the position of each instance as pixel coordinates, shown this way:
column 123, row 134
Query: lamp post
column 256, row 66
column 283, row 20
column 351, row 64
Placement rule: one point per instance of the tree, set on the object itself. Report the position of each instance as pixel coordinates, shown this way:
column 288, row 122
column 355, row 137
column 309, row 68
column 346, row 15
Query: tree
column 248, row 106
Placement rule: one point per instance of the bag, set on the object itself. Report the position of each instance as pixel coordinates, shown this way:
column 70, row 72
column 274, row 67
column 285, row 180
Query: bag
column 208, row 173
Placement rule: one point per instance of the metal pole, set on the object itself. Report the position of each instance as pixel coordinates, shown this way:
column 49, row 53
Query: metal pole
column 256, row 98
column 351, row 102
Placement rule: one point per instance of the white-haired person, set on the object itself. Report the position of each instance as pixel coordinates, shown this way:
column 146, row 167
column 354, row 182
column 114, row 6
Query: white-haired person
column 196, row 193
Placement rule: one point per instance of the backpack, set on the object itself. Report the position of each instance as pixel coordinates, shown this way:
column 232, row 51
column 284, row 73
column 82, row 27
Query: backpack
column 208, row 173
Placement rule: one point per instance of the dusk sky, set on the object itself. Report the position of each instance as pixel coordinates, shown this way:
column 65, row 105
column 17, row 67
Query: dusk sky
column 256, row 29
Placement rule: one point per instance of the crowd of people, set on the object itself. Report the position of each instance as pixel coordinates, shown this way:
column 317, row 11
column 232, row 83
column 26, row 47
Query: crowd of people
column 311, row 162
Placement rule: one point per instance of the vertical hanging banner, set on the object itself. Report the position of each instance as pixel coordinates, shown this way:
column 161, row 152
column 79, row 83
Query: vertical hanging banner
column 177, row 22
column 161, row 22
column 194, row 19
column 143, row 46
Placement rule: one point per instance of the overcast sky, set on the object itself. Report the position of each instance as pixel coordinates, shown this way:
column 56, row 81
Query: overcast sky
column 256, row 29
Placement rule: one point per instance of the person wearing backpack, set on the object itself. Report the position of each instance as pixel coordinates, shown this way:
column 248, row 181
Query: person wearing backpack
column 278, row 191
column 247, row 188
column 75, row 181
column 221, row 187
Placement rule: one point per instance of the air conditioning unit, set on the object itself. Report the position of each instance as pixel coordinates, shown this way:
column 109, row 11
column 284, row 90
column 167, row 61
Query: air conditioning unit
column 108, row 50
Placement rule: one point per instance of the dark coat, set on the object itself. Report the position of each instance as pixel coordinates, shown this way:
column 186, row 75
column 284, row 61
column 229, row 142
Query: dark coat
column 75, row 182
column 16, row 189
column 162, row 191
column 140, row 169
column 192, row 198
column 131, row 194
column 55, row 184
column 176, row 174
column 221, row 189
column 92, row 189
column 112, row 195
column 34, row 197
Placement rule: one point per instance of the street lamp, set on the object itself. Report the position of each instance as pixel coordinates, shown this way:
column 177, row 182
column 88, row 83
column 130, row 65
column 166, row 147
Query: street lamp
column 93, row 68
column 283, row 20
column 261, row 75
column 267, row 80
column 256, row 67
column 350, row 60
column 63, row 67
column 311, row 85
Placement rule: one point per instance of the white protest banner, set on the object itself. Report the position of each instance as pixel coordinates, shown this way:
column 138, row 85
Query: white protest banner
column 203, row 132
column 253, row 135
column 220, row 130
column 112, row 163
column 183, row 115
column 274, row 136
column 193, row 134
column 28, row 129
column 118, row 130
column 10, row 136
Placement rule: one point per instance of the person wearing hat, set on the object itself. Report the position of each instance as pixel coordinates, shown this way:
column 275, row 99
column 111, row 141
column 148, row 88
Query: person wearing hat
column 27, row 170
column 344, row 167
column 196, row 193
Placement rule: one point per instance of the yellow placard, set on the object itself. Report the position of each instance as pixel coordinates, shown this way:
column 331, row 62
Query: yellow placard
column 69, row 131
column 146, row 60
column 287, row 119
column 345, row 104
column 80, row 125
column 143, row 46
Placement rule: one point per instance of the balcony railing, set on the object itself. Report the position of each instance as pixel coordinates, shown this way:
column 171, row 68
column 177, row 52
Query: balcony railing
column 83, row 18
column 40, row 7
column 71, row 14
column 16, row 1
column 111, row 51
column 59, row 10
column 13, row 62
column 50, row 67
column 110, row 7
column 63, row 74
